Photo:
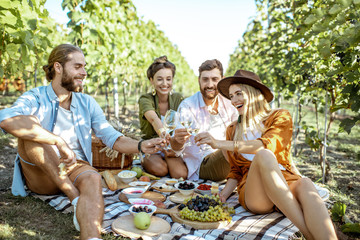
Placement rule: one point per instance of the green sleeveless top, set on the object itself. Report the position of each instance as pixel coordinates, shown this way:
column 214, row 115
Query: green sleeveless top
column 149, row 102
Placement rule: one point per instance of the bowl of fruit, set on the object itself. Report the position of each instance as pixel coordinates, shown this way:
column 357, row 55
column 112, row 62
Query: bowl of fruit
column 186, row 187
column 149, row 209
column 204, row 189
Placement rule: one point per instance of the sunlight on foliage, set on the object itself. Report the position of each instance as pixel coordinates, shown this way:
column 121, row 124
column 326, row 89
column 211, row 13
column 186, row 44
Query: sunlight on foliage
column 6, row 231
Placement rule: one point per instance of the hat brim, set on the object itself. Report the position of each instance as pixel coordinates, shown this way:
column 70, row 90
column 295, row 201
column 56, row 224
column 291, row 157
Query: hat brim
column 224, row 85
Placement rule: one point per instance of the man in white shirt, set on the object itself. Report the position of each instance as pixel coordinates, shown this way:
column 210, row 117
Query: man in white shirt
column 210, row 112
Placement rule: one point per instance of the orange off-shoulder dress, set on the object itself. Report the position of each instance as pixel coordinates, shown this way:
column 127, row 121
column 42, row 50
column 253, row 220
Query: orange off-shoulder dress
column 276, row 138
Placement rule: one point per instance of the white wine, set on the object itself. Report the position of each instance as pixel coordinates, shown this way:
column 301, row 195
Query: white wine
column 186, row 124
column 194, row 131
column 171, row 127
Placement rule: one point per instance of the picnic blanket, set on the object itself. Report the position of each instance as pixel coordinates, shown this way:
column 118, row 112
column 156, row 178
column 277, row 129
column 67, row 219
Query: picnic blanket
column 244, row 225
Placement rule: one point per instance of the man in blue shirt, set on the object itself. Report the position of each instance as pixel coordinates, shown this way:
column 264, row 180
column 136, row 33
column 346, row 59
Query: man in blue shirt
column 53, row 124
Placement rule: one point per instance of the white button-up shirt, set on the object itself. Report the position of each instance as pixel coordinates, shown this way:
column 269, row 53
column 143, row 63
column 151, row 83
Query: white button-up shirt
column 227, row 113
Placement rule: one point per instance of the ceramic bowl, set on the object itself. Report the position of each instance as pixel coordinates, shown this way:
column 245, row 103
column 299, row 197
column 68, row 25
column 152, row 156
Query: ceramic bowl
column 204, row 192
column 126, row 176
column 151, row 207
column 171, row 182
column 140, row 201
column 185, row 192
column 133, row 192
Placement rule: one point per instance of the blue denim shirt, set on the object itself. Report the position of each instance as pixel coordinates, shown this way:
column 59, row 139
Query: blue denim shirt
column 43, row 103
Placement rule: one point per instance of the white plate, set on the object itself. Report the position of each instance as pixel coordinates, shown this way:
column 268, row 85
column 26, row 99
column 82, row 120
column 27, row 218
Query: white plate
column 140, row 184
column 323, row 192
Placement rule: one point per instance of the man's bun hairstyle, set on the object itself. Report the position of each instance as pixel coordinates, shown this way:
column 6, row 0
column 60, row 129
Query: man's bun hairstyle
column 59, row 54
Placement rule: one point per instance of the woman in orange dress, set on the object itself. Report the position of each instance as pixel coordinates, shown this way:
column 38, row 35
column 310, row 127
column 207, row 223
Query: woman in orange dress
column 257, row 147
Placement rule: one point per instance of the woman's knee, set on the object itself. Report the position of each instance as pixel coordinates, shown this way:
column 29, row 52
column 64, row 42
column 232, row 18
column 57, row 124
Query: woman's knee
column 161, row 170
column 179, row 173
column 303, row 185
column 259, row 207
column 158, row 168
column 265, row 159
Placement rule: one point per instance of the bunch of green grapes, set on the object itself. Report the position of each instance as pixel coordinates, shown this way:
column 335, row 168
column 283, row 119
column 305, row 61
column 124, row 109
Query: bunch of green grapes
column 205, row 209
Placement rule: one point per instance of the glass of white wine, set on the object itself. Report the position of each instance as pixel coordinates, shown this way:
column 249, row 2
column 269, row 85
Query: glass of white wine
column 169, row 123
column 186, row 121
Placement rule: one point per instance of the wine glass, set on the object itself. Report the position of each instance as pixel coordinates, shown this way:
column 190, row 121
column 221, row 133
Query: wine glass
column 169, row 123
column 186, row 121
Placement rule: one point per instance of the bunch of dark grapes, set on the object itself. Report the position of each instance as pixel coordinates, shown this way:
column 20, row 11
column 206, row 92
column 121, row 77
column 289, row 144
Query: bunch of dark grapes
column 205, row 209
column 142, row 209
column 186, row 185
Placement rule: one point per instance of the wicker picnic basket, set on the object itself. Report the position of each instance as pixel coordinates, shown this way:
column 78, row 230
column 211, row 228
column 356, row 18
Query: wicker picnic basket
column 102, row 162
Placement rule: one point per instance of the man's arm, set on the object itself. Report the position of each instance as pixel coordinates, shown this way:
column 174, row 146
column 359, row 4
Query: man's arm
column 27, row 127
column 128, row 145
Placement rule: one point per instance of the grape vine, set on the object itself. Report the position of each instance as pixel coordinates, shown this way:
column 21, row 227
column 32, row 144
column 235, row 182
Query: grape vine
column 307, row 50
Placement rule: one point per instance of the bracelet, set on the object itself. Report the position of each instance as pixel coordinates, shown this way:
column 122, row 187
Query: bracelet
column 236, row 146
column 139, row 146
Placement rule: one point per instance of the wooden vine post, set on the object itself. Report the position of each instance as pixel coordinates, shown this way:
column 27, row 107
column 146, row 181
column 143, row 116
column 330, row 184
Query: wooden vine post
column 116, row 97
column 324, row 142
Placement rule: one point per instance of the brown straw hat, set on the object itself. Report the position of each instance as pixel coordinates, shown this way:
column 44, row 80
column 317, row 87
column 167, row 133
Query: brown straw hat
column 244, row 77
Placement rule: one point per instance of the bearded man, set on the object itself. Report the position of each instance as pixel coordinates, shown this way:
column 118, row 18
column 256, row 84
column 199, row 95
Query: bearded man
column 210, row 113
column 54, row 124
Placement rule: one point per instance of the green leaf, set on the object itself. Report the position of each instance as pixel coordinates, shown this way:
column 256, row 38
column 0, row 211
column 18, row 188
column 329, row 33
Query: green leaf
column 12, row 49
column 345, row 3
column 1, row 71
column 356, row 2
column 28, row 40
column 8, row 18
column 338, row 211
column 356, row 105
column 351, row 228
column 32, row 24
column 5, row 4
column 348, row 123
column 310, row 19
column 324, row 48
column 335, row 9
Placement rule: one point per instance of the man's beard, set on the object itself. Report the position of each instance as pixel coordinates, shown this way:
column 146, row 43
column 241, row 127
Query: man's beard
column 207, row 95
column 67, row 82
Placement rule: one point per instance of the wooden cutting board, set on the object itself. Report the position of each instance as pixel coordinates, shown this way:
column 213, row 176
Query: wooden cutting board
column 153, row 196
column 179, row 198
column 174, row 214
column 124, row 225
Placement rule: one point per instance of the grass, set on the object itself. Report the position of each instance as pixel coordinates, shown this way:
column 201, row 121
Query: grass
column 30, row 218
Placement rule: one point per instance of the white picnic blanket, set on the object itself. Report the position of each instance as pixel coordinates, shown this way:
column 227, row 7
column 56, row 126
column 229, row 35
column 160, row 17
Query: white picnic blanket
column 244, row 225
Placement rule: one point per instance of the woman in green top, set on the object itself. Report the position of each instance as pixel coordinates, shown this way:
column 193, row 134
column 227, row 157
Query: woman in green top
column 152, row 108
